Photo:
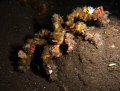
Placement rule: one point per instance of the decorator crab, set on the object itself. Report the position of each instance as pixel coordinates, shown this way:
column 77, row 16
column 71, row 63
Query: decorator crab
column 60, row 35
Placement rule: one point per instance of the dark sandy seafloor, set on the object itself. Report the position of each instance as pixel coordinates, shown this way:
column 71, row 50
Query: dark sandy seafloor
column 84, row 69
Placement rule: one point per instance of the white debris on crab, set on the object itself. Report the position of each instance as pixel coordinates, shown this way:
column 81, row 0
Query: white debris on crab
column 70, row 42
column 90, row 10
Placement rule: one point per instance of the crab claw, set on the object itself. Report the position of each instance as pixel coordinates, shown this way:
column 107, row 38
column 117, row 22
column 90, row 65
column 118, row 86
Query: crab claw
column 71, row 43
column 56, row 51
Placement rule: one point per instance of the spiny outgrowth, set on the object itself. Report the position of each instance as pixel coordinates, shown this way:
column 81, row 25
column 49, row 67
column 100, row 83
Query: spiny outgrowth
column 51, row 70
column 94, row 38
column 22, row 54
column 58, row 37
column 59, row 32
column 89, row 13
column 97, row 40
column 57, row 21
column 48, row 64
column 55, row 50
column 24, row 62
column 44, row 33
column 70, row 42
column 78, row 27
column 27, row 55
column 46, row 55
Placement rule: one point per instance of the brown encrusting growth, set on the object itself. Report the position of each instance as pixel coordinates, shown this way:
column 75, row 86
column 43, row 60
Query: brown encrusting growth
column 89, row 13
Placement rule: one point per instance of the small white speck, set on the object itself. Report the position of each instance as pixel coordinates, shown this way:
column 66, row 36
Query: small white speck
column 44, row 87
column 113, row 46
column 83, row 31
column 50, row 71
column 92, row 77
column 83, row 47
column 111, row 64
